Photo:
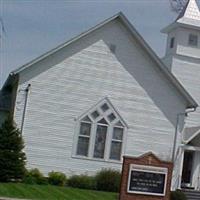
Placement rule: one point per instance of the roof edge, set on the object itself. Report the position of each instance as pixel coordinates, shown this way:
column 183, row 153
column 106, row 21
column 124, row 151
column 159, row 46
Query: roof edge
column 177, row 24
column 191, row 103
column 181, row 89
column 62, row 45
column 193, row 136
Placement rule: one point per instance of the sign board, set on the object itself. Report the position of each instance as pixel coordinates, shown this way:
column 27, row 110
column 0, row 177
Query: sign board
column 148, row 180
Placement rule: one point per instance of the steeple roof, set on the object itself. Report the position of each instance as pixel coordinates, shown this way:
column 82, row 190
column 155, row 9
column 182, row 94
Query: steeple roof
column 190, row 11
column 189, row 17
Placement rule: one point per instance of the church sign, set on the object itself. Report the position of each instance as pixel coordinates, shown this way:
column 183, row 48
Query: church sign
column 147, row 180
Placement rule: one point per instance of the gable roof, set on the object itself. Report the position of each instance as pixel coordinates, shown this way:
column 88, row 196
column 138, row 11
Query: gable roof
column 190, row 133
column 191, row 103
column 188, row 17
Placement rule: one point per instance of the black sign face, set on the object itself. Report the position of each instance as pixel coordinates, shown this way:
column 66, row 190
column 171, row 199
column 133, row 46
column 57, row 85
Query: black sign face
column 145, row 182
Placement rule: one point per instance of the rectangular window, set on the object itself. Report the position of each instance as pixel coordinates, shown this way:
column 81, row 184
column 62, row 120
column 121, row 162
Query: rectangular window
column 83, row 139
column 193, row 40
column 100, row 141
column 172, row 43
column 116, row 143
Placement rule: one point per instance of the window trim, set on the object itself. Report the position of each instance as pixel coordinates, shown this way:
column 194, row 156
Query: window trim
column 94, row 124
column 115, row 140
column 193, row 45
column 84, row 136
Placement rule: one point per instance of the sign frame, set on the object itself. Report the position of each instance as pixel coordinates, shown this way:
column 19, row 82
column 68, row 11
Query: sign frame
column 148, row 169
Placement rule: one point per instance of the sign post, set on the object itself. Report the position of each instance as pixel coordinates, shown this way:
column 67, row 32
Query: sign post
column 145, row 178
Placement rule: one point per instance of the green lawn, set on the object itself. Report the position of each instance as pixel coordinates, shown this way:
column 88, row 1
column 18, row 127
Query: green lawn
column 42, row 192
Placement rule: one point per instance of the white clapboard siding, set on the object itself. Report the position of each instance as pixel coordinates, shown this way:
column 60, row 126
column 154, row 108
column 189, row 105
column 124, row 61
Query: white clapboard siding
column 188, row 73
column 184, row 62
column 71, row 81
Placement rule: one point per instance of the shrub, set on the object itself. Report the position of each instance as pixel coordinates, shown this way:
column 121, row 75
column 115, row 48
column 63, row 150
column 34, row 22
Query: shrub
column 57, row 178
column 82, row 181
column 12, row 157
column 108, row 180
column 34, row 176
column 177, row 195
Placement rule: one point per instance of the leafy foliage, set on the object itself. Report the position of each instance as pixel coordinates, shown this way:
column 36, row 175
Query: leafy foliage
column 12, row 157
column 108, row 180
column 82, row 181
column 177, row 195
column 57, row 178
column 34, row 176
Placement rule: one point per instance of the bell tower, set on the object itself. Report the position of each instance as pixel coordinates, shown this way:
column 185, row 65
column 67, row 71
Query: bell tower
column 182, row 55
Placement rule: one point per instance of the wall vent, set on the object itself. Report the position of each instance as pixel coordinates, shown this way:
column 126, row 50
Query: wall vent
column 112, row 48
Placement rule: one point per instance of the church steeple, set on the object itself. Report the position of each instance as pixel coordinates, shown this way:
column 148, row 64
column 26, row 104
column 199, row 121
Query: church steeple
column 190, row 11
column 189, row 16
column 182, row 55
column 184, row 34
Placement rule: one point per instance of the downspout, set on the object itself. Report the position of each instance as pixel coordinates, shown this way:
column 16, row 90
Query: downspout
column 25, row 104
column 176, row 130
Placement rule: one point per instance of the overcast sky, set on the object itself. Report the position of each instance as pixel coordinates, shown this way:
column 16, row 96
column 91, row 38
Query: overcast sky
column 36, row 26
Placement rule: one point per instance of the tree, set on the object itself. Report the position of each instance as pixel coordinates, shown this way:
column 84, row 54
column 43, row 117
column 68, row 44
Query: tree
column 177, row 5
column 12, row 157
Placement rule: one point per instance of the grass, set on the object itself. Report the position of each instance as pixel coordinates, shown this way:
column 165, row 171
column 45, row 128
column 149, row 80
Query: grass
column 44, row 192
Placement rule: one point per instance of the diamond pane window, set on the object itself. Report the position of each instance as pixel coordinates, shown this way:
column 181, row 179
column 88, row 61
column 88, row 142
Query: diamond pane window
column 95, row 114
column 104, row 107
column 111, row 117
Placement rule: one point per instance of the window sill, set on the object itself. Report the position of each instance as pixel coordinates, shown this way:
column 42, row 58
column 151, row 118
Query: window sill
column 99, row 160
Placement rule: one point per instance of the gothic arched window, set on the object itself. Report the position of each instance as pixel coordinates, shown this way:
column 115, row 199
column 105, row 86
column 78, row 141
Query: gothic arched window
column 101, row 133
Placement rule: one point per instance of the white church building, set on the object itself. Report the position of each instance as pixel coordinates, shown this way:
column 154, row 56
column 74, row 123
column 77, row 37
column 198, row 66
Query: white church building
column 105, row 94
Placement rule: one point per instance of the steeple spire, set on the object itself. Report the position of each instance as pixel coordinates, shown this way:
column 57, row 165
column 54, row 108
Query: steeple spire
column 190, row 11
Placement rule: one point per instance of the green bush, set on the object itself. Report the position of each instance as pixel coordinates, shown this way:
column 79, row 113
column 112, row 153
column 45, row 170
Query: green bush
column 177, row 195
column 57, row 178
column 82, row 181
column 108, row 180
column 34, row 176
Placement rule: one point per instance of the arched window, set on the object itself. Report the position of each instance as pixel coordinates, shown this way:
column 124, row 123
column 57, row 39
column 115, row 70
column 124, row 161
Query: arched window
column 101, row 133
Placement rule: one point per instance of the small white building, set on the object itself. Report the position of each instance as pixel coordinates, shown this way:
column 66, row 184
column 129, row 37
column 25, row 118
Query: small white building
column 105, row 94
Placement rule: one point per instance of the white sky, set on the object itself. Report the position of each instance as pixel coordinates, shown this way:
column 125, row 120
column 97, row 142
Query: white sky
column 36, row 26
